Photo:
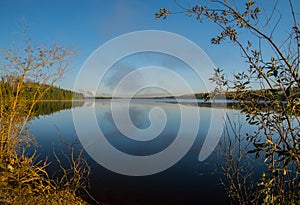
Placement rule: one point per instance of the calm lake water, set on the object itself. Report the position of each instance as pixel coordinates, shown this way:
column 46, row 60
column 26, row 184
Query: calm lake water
column 189, row 181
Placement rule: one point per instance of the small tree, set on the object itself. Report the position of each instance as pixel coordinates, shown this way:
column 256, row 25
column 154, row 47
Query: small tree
column 34, row 63
column 274, row 108
column 27, row 74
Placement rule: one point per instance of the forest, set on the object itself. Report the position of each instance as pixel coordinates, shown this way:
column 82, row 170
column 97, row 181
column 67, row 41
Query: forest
column 8, row 86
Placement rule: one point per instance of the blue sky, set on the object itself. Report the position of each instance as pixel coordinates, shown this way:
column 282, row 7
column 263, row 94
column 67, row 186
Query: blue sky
column 86, row 25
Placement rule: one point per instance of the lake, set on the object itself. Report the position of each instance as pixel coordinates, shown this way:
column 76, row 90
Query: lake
column 188, row 181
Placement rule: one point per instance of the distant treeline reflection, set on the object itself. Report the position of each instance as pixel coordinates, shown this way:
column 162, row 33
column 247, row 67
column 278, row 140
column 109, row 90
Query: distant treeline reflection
column 49, row 107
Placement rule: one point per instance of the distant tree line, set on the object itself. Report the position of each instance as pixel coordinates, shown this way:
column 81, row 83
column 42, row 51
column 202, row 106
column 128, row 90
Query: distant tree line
column 274, row 94
column 8, row 87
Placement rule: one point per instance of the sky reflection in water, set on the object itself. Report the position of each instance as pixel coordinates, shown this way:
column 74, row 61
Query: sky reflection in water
column 183, row 183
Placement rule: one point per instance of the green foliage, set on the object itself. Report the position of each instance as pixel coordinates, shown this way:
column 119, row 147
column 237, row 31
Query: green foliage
column 8, row 89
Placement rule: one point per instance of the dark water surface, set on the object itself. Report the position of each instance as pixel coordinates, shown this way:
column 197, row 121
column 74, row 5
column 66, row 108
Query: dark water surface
column 187, row 182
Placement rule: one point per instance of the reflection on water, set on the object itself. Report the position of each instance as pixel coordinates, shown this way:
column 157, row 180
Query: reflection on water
column 50, row 107
column 183, row 183
column 139, row 115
